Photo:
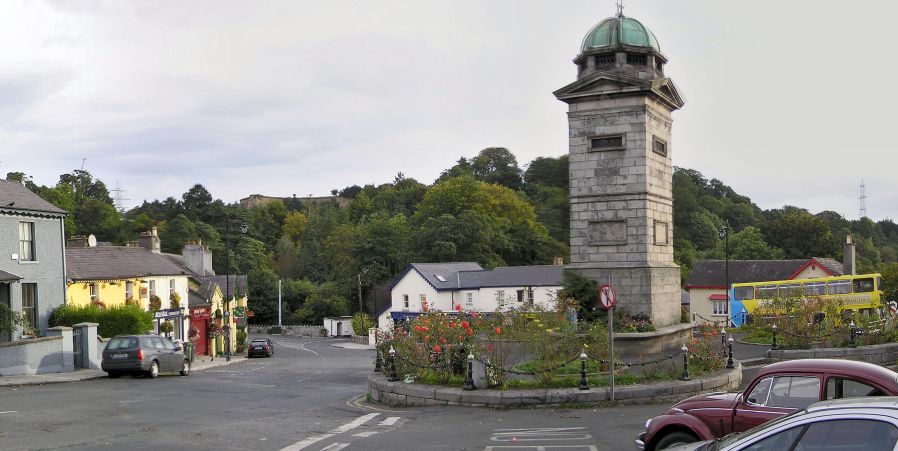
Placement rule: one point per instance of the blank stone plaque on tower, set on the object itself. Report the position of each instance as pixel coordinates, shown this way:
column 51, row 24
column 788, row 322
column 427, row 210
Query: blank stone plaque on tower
column 619, row 123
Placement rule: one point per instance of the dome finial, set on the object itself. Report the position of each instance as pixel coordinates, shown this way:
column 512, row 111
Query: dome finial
column 620, row 8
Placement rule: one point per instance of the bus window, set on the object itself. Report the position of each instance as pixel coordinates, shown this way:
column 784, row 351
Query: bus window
column 879, row 283
column 864, row 285
column 743, row 293
column 815, row 288
column 790, row 290
column 838, row 287
column 766, row 291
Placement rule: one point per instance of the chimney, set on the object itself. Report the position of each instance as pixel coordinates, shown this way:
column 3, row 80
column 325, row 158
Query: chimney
column 197, row 258
column 848, row 266
column 76, row 241
column 150, row 241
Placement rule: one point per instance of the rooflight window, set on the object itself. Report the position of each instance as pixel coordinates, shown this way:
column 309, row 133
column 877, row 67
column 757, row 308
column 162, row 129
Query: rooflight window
column 440, row 278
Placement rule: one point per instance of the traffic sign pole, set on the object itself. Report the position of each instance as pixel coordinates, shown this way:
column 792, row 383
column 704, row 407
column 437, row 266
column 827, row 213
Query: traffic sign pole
column 611, row 335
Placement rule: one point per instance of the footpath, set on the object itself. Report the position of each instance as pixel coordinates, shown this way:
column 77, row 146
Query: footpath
column 200, row 364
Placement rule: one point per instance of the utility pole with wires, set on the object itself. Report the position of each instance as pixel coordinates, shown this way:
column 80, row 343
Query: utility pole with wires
column 862, row 202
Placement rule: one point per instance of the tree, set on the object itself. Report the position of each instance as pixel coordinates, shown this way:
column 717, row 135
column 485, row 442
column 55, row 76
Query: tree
column 749, row 244
column 548, row 171
column 84, row 186
column 175, row 234
column 497, row 165
column 196, row 201
column 316, row 308
column 800, row 234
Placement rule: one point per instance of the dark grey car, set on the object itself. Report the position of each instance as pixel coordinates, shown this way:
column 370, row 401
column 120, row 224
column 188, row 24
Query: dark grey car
column 143, row 354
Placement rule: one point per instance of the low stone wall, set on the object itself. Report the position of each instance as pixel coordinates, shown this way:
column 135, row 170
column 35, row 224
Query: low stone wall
column 882, row 354
column 51, row 354
column 400, row 394
column 360, row 339
column 294, row 331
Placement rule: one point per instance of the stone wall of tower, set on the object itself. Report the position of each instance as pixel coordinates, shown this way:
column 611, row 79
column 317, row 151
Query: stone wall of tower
column 621, row 202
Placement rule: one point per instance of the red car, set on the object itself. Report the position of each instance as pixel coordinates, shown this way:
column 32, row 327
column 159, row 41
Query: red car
column 776, row 390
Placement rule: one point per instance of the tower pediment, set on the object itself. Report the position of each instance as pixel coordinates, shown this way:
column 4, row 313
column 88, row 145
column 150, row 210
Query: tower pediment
column 609, row 84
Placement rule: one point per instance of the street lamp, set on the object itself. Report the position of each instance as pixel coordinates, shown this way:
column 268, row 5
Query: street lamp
column 725, row 234
column 227, row 312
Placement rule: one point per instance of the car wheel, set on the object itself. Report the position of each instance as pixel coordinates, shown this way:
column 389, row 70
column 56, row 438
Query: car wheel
column 114, row 374
column 185, row 368
column 154, row 370
column 675, row 439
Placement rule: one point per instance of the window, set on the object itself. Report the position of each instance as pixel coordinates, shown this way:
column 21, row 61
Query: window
column 637, row 60
column 470, row 299
column 152, row 288
column 838, row 287
column 795, row 392
column 718, row 307
column 129, row 290
column 767, row 291
column 846, row 388
column 171, row 287
column 759, row 394
column 530, row 296
column 853, row 434
column 29, row 303
column 405, row 301
column 779, row 441
column 440, row 278
column 659, row 146
column 26, row 242
column 864, row 285
column 790, row 290
column 743, row 293
column 814, row 288
column 94, row 292
column 611, row 142
column 521, row 296
column 500, row 297
column 422, row 298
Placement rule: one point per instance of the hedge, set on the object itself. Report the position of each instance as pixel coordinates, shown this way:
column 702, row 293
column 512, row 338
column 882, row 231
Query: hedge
column 116, row 320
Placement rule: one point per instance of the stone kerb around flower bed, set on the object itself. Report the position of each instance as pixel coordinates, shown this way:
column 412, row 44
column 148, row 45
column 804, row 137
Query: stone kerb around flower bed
column 400, row 394
column 881, row 354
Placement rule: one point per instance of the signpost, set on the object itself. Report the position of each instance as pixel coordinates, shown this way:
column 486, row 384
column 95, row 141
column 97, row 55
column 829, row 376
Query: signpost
column 607, row 299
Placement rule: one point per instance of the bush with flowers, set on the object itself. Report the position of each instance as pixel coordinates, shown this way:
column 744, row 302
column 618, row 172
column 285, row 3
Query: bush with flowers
column 706, row 349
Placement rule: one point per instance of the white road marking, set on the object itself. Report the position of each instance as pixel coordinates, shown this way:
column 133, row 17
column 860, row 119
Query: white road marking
column 339, row 430
column 303, row 347
column 335, row 447
column 307, row 442
column 365, row 434
column 534, row 434
column 10, row 411
column 389, row 421
column 545, row 447
column 354, row 423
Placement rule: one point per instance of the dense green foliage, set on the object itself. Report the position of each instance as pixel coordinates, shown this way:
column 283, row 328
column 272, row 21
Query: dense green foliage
column 361, row 322
column 485, row 208
column 117, row 320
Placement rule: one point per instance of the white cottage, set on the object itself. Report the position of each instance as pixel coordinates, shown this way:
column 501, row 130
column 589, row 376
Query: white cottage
column 444, row 286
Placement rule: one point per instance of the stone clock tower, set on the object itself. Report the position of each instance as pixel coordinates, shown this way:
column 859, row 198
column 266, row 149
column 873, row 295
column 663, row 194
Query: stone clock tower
column 619, row 127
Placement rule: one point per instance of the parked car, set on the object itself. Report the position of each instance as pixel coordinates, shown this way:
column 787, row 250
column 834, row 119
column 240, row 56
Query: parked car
column 776, row 390
column 143, row 354
column 260, row 346
column 851, row 424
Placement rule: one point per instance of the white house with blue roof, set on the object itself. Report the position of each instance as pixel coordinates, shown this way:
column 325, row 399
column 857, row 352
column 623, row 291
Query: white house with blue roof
column 443, row 286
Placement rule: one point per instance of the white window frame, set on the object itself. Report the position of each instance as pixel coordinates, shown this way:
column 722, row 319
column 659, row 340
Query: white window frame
column 500, row 297
column 94, row 292
column 422, row 300
column 27, row 248
column 405, row 302
column 171, row 287
column 152, row 288
column 470, row 299
column 129, row 290
column 29, row 304
column 718, row 307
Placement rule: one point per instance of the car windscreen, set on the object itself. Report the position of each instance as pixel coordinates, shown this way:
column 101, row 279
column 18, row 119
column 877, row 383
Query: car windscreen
column 122, row 343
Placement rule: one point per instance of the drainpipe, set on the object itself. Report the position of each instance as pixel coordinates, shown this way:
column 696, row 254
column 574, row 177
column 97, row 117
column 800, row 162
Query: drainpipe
column 65, row 285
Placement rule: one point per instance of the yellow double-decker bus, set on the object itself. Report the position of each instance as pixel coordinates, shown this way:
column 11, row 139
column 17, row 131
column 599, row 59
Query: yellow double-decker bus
column 861, row 293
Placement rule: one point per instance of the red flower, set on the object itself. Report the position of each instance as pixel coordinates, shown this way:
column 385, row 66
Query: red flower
column 465, row 324
column 469, row 332
column 498, row 330
column 427, row 338
column 457, row 307
column 442, row 340
column 437, row 348
column 452, row 325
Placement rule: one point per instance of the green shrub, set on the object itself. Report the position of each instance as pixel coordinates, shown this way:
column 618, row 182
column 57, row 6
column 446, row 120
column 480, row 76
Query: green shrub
column 117, row 320
column 361, row 322
column 241, row 337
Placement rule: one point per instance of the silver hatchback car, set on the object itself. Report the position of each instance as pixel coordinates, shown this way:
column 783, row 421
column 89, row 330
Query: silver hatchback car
column 143, row 354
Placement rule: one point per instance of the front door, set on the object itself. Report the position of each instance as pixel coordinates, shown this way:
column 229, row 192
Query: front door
column 202, row 339
column 4, row 299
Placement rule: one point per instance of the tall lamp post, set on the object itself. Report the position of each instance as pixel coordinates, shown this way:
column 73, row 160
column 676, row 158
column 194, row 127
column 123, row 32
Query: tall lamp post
column 227, row 313
column 725, row 234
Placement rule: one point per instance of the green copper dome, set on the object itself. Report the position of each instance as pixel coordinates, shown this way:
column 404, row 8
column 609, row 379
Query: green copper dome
column 614, row 31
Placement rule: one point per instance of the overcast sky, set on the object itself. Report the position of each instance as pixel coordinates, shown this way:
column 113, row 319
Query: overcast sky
column 787, row 102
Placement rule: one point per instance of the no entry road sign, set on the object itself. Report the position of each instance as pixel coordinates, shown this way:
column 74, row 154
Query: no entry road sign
column 607, row 297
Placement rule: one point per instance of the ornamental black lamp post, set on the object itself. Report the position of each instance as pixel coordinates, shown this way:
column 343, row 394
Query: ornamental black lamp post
column 227, row 312
column 469, row 380
column 773, row 345
column 730, row 362
column 584, row 384
column 685, row 375
column 725, row 234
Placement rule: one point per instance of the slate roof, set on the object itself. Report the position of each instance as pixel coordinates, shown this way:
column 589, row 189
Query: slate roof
column 513, row 276
column 14, row 197
column 237, row 284
column 117, row 262
column 712, row 273
column 470, row 275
